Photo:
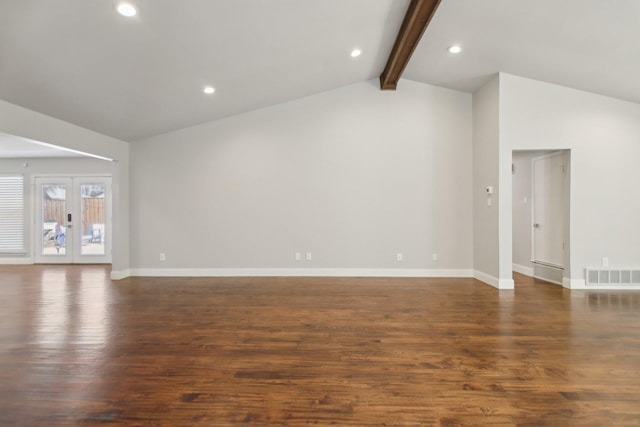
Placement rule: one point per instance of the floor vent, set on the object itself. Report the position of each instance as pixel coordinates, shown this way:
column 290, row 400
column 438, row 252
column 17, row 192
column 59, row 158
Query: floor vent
column 613, row 276
column 550, row 273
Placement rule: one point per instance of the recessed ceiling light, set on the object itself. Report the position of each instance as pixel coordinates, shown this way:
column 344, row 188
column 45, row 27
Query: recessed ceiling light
column 126, row 9
column 455, row 48
column 355, row 53
column 209, row 90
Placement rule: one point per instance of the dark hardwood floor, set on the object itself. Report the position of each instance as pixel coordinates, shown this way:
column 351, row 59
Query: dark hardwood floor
column 78, row 349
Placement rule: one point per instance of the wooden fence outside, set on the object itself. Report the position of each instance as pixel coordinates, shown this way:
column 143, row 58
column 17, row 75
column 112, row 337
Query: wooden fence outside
column 92, row 212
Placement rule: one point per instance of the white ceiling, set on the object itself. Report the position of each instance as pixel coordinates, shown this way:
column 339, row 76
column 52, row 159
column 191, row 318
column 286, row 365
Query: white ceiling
column 591, row 45
column 12, row 146
column 80, row 61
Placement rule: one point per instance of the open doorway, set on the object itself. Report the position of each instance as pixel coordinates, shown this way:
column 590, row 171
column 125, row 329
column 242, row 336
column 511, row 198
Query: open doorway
column 541, row 203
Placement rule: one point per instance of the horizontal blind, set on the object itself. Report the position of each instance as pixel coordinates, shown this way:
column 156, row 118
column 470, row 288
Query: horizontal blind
column 11, row 214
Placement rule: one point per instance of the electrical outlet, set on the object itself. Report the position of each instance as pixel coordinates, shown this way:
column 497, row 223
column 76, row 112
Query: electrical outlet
column 298, row 256
column 308, row 256
column 434, row 257
column 163, row 257
column 605, row 261
column 399, row 256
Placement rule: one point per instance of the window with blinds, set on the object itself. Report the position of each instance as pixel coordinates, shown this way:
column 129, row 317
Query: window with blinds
column 11, row 214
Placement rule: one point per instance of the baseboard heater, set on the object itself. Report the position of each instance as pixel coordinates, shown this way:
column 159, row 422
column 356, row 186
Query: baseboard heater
column 618, row 277
column 548, row 272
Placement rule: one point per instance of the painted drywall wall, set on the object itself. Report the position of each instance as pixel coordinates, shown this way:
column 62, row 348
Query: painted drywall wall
column 521, row 211
column 19, row 121
column 57, row 166
column 505, row 226
column 353, row 176
column 485, row 173
column 603, row 135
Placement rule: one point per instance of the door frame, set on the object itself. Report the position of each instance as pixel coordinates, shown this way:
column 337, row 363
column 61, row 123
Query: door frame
column 75, row 242
column 521, row 229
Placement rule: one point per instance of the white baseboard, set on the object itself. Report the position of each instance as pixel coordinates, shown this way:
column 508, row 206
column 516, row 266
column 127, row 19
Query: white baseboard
column 16, row 261
column 493, row 281
column 298, row 272
column 486, row 278
column 506, row 284
column 573, row 283
column 119, row 275
column 518, row 268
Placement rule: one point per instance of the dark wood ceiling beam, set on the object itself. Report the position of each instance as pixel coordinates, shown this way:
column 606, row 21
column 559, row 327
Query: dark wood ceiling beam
column 415, row 22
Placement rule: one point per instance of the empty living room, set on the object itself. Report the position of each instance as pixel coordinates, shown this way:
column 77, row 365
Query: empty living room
column 337, row 212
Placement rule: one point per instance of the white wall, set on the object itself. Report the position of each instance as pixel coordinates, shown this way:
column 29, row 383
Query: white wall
column 603, row 135
column 485, row 173
column 521, row 211
column 353, row 176
column 44, row 167
column 19, row 121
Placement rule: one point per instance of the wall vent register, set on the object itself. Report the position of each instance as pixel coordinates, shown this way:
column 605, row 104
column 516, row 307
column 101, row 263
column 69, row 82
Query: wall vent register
column 612, row 276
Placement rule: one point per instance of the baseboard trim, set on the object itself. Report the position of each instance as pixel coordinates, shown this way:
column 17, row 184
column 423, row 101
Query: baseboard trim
column 16, row 261
column 518, row 268
column 298, row 272
column 119, row 275
column 573, row 283
column 506, row 284
column 501, row 284
column 486, row 278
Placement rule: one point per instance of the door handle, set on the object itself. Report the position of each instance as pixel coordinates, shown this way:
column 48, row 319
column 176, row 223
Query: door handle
column 536, row 225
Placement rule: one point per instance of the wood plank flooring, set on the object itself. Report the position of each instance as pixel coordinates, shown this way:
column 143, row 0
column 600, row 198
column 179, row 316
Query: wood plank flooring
column 78, row 349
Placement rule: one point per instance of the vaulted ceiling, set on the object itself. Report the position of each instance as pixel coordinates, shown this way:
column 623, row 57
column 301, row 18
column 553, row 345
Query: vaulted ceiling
column 590, row 45
column 132, row 78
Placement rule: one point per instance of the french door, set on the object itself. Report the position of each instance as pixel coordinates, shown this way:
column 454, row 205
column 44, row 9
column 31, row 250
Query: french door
column 73, row 220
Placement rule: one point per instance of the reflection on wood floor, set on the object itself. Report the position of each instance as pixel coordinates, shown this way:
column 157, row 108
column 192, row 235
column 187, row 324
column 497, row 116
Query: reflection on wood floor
column 79, row 349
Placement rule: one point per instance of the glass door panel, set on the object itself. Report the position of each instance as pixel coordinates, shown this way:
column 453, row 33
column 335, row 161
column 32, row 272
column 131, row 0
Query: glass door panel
column 54, row 217
column 93, row 229
column 54, row 212
column 93, row 219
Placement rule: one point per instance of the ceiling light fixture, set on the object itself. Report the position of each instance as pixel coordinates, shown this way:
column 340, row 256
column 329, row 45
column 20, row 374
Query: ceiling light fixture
column 209, row 90
column 355, row 53
column 455, row 48
column 126, row 9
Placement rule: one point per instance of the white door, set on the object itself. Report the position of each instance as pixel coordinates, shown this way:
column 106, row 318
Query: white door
column 73, row 220
column 548, row 209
